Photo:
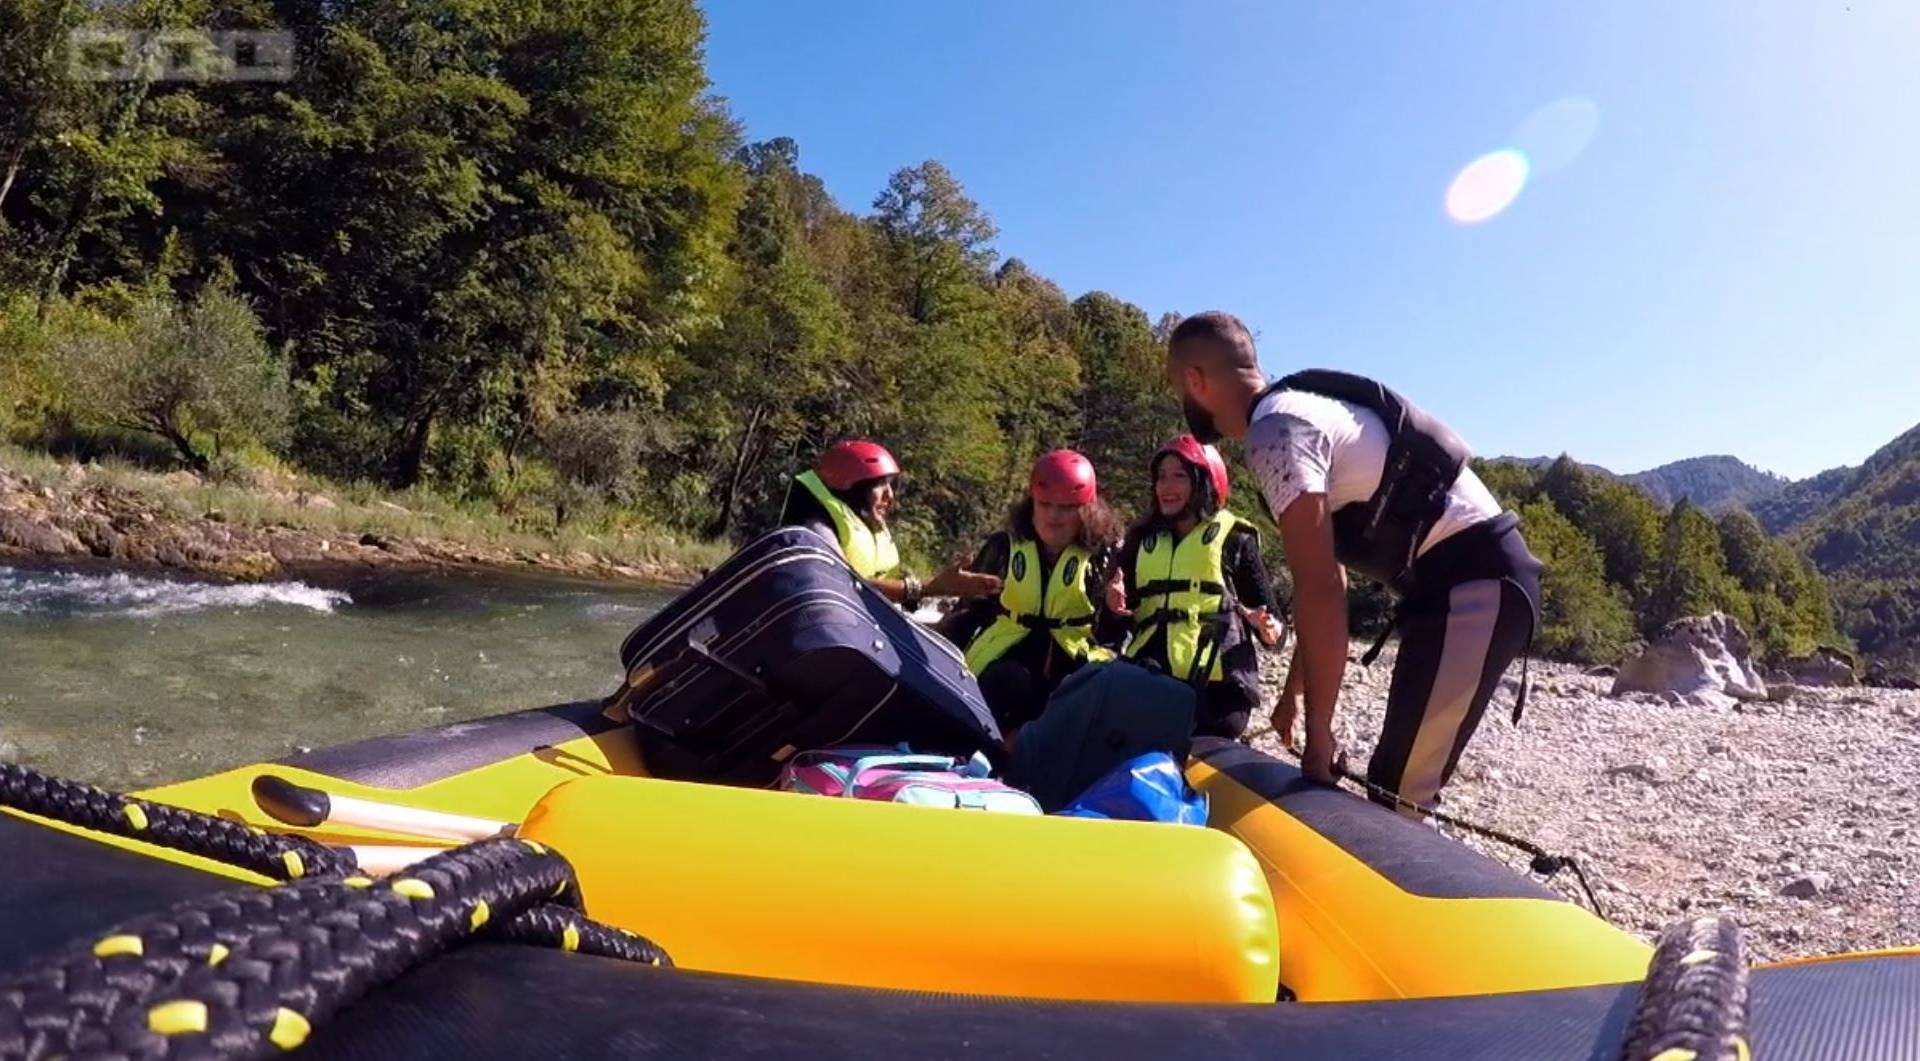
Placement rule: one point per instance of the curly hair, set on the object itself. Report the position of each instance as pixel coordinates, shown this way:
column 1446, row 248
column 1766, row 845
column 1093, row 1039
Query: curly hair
column 1099, row 527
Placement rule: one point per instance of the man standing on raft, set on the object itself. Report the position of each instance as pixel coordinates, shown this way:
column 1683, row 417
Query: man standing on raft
column 1358, row 478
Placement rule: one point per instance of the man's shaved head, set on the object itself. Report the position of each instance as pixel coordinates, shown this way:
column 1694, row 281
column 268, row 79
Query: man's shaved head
column 1213, row 340
column 1213, row 368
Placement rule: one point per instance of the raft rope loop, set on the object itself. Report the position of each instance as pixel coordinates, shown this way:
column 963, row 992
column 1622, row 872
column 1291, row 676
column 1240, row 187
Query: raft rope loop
column 251, row 972
column 1694, row 1004
column 1543, row 862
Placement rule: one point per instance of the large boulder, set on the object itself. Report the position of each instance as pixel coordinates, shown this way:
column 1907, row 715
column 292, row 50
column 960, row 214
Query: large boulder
column 1826, row 667
column 1699, row 654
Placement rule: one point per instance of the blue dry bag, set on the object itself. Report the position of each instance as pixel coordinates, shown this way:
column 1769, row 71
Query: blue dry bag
column 1145, row 788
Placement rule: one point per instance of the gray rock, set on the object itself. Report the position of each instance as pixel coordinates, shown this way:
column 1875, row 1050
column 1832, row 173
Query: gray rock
column 1807, row 886
column 1708, row 653
column 1780, row 693
column 389, row 543
column 1638, row 771
column 1826, row 667
column 33, row 536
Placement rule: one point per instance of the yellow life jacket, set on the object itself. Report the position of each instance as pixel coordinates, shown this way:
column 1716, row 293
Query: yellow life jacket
column 870, row 553
column 1182, row 588
column 1059, row 605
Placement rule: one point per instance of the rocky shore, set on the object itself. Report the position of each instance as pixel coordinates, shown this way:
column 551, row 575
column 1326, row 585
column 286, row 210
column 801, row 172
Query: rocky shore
column 1797, row 815
column 154, row 522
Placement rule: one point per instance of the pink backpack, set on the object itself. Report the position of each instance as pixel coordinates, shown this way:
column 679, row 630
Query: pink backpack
column 895, row 775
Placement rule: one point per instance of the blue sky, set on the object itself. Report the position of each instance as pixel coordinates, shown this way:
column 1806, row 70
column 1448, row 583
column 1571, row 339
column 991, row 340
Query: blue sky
column 1730, row 265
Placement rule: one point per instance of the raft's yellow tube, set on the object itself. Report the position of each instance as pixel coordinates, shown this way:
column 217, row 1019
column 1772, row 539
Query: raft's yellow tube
column 1347, row 933
column 800, row 887
column 503, row 790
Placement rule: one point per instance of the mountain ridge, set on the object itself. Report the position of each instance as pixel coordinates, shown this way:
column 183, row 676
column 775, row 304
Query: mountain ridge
column 1715, row 482
column 1859, row 524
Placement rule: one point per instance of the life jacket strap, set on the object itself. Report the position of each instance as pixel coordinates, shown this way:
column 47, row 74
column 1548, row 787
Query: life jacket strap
column 1168, row 586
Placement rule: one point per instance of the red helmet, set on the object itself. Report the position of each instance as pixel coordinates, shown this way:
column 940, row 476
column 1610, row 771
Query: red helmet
column 1199, row 455
column 853, row 461
column 1063, row 477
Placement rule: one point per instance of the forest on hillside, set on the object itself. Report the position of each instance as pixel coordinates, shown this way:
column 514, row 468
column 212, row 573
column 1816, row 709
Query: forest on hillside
column 516, row 253
column 1620, row 565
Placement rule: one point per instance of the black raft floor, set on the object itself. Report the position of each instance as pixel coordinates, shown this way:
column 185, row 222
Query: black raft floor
column 494, row 1000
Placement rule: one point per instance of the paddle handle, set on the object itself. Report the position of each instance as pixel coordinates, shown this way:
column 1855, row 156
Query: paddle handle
column 379, row 860
column 311, row 808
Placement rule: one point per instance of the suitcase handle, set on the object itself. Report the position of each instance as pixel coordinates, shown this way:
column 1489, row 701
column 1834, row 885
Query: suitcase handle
column 785, row 706
column 758, row 684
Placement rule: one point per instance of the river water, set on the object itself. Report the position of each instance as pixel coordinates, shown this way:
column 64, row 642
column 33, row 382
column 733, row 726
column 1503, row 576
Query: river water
column 130, row 680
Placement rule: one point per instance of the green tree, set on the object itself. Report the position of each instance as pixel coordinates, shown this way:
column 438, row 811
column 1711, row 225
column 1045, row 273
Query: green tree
column 1512, row 482
column 1126, row 411
column 1793, row 613
column 183, row 373
column 597, row 457
column 1623, row 521
column 1583, row 616
column 475, row 214
column 84, row 158
column 762, row 385
column 951, row 363
column 1041, row 371
column 1692, row 578
column 939, row 238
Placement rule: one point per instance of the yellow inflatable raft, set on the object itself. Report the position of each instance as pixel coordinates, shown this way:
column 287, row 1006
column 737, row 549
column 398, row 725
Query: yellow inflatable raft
column 1305, row 922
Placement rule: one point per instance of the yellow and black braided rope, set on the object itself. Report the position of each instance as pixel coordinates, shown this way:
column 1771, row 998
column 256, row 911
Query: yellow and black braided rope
column 250, row 972
column 1693, row 1004
column 268, row 854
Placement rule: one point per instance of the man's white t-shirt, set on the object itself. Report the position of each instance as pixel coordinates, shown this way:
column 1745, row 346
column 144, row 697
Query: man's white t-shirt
column 1303, row 443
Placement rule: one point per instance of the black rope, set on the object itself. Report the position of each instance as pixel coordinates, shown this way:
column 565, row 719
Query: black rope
column 74, row 803
column 250, row 972
column 1542, row 861
column 1694, row 1002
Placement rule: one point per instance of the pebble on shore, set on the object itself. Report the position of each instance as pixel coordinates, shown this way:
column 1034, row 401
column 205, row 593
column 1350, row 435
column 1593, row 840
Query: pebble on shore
column 1791, row 816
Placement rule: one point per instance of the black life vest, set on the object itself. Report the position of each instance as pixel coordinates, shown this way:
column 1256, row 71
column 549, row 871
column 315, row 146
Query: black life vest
column 1378, row 537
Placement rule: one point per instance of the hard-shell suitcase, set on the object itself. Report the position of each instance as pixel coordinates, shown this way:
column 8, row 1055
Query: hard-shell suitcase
column 783, row 647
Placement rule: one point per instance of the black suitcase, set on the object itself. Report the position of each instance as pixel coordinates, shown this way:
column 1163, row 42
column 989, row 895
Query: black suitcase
column 783, row 648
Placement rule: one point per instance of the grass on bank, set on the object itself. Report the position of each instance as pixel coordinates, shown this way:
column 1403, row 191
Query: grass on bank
column 273, row 495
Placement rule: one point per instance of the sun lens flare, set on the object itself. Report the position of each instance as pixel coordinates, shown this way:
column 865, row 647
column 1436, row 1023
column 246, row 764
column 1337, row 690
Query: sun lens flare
column 1556, row 134
column 1488, row 185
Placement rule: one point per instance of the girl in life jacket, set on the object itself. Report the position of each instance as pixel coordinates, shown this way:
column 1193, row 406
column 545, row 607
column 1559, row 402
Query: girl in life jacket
column 1195, row 590
column 1054, row 558
column 848, row 498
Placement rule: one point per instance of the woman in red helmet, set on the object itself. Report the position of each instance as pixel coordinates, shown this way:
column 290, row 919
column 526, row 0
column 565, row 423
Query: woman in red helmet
column 847, row 499
column 1195, row 588
column 1054, row 557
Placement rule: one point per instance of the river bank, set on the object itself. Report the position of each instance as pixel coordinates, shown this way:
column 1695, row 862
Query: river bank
column 92, row 514
column 1795, row 816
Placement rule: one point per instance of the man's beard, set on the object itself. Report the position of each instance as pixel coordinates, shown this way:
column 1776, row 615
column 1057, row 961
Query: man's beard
column 1199, row 421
